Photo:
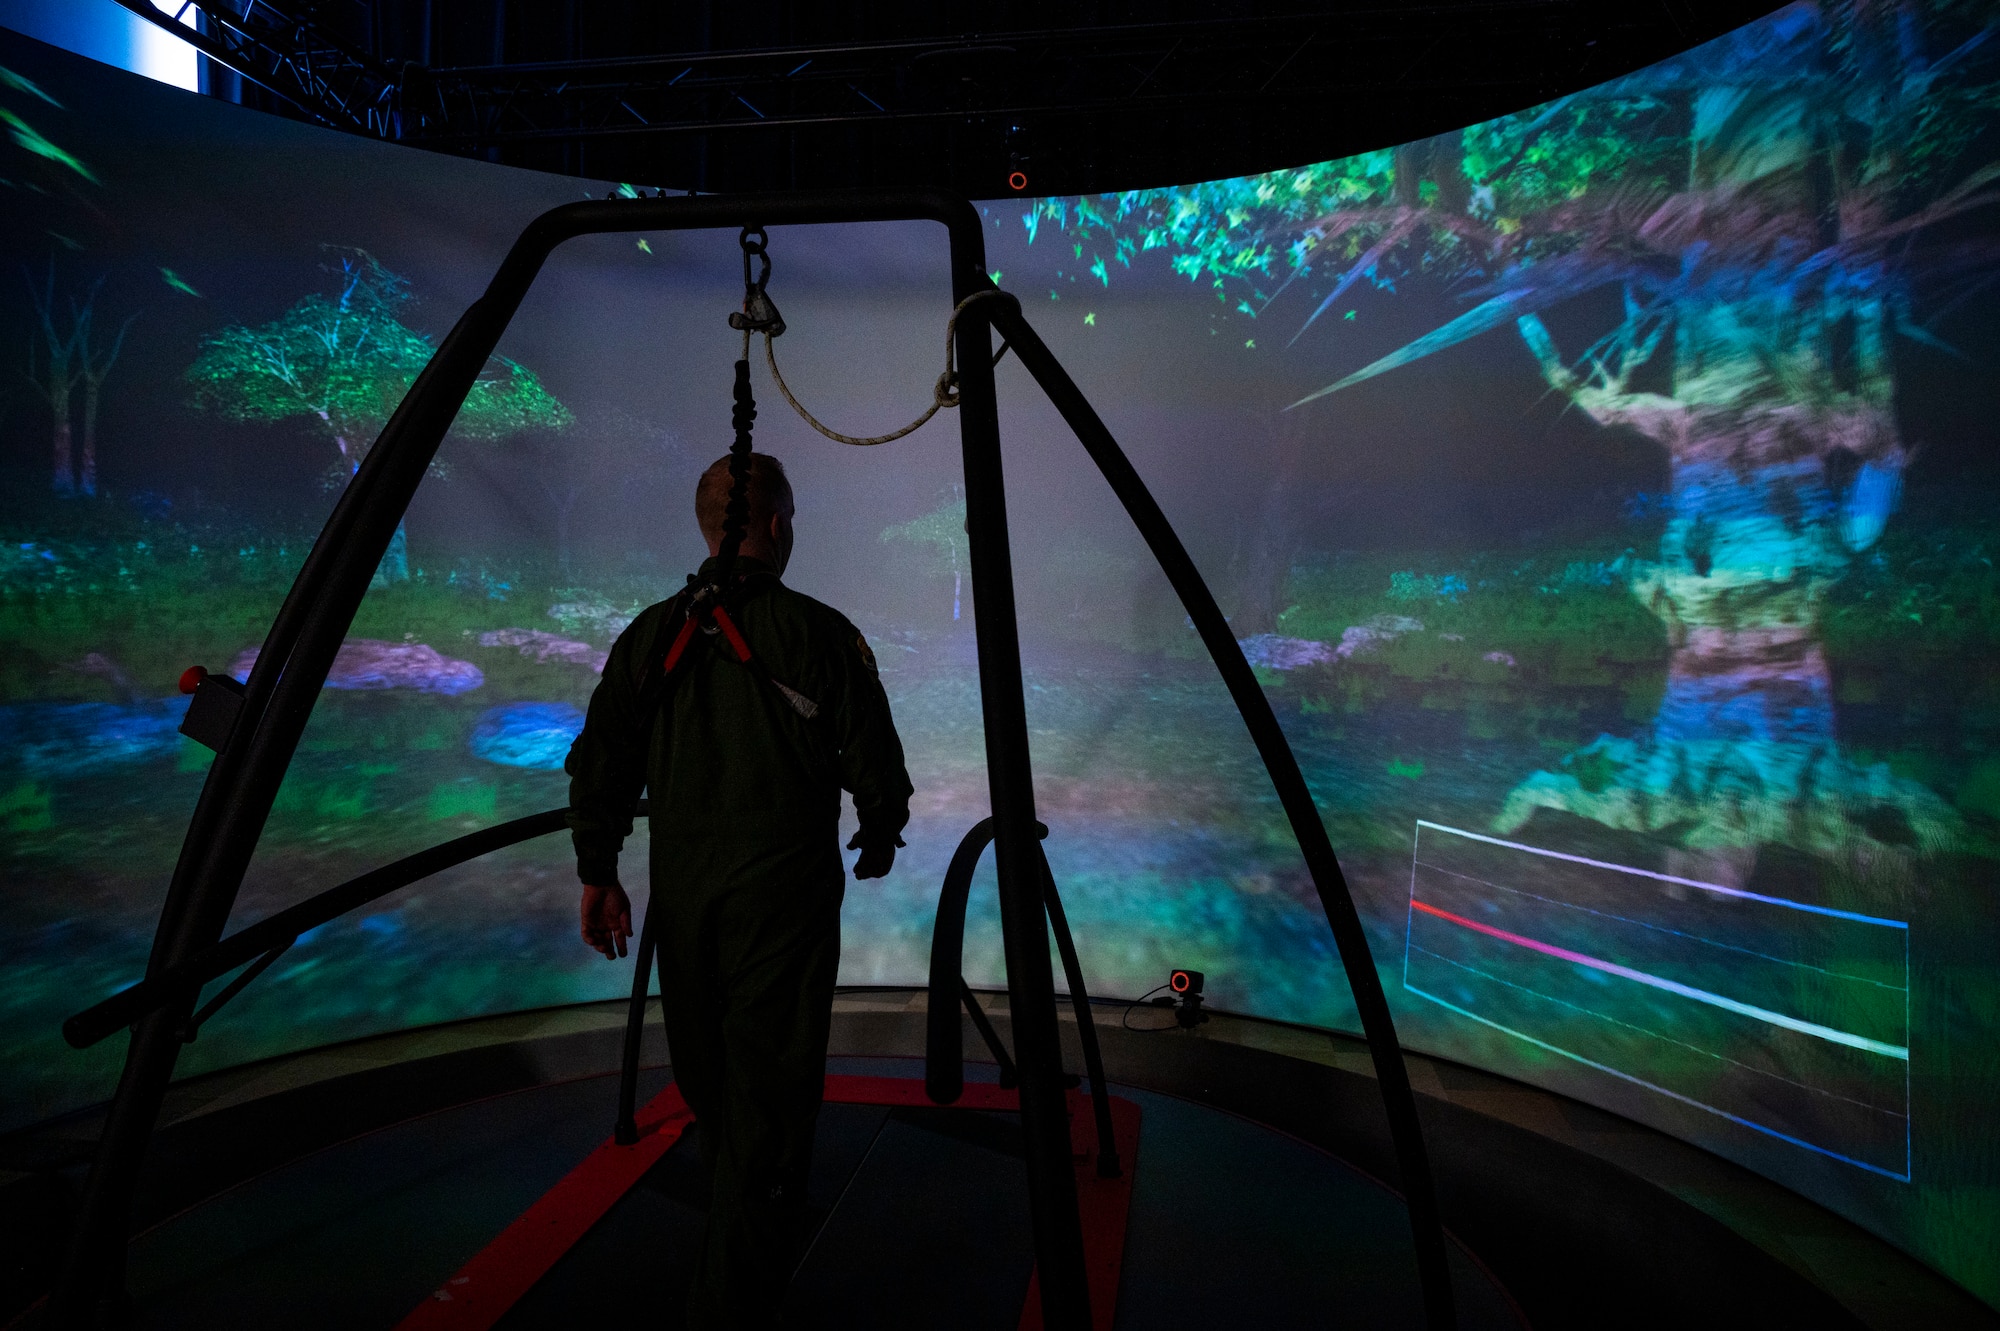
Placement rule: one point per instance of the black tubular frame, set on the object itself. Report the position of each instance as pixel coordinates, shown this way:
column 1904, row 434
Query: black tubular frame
column 944, row 1050
column 184, row 981
column 298, row 652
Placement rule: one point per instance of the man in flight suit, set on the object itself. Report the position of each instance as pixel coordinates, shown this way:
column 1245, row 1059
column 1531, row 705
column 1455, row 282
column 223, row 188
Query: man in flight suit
column 745, row 769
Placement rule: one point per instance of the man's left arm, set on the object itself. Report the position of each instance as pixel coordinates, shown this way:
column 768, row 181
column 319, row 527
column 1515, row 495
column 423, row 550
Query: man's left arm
column 871, row 755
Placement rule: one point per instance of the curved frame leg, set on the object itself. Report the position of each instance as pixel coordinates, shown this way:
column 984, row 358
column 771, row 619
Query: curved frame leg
column 944, row 1046
column 1377, row 1024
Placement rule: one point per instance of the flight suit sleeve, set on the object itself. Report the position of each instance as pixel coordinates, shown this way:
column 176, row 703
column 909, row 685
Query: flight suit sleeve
column 871, row 753
column 607, row 762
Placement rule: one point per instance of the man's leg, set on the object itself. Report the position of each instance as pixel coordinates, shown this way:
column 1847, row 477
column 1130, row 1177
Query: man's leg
column 780, row 954
column 691, row 1004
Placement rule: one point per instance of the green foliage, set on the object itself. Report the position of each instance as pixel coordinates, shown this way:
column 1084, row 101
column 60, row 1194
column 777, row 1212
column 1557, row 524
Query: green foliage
column 1522, row 647
column 1903, row 94
column 1241, row 229
column 507, row 399
column 157, row 596
column 942, row 531
column 345, row 358
column 26, row 136
column 1594, row 769
column 1549, row 156
column 1928, row 594
column 154, row 599
column 463, row 798
column 24, row 807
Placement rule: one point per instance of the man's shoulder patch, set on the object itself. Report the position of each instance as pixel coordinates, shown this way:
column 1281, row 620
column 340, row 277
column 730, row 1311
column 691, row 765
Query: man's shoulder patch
column 867, row 654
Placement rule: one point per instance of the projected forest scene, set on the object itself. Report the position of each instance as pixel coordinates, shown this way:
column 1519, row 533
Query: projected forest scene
column 1604, row 494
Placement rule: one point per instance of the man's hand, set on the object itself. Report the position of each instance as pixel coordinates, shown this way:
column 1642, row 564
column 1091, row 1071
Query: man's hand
column 607, row 918
column 876, row 858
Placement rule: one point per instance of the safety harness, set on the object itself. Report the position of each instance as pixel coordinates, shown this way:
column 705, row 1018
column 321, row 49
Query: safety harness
column 705, row 605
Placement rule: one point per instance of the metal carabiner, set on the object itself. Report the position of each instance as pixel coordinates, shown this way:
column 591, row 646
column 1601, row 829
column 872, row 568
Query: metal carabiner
column 758, row 314
column 756, row 247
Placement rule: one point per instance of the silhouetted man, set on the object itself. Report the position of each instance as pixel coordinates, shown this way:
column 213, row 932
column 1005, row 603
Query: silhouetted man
column 745, row 764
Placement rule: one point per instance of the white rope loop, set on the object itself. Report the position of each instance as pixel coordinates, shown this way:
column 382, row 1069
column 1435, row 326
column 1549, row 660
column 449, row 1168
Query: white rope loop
column 943, row 394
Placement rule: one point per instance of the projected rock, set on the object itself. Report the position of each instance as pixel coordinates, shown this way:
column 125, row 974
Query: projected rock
column 1369, row 635
column 599, row 617
column 535, row 735
column 366, row 663
column 80, row 737
column 545, row 647
column 1273, row 651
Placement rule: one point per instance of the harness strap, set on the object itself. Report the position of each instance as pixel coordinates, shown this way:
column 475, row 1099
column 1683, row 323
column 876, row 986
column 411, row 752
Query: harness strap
column 730, row 631
column 681, row 641
column 711, row 608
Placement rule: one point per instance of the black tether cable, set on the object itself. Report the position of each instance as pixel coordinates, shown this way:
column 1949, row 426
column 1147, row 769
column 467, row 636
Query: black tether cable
column 758, row 315
column 736, row 517
column 626, row 1131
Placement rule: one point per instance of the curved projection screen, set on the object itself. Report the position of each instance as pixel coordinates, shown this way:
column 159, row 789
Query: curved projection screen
column 1605, row 495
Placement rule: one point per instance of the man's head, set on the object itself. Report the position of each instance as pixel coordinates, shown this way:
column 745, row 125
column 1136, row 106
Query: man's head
column 768, row 535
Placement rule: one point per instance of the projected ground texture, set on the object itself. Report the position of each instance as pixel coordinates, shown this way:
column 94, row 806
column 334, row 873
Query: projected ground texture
column 1605, row 495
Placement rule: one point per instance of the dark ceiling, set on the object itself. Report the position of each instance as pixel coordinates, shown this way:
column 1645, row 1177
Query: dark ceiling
column 983, row 98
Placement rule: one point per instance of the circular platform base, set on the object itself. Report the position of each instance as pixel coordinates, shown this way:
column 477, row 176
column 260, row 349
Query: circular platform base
column 919, row 1220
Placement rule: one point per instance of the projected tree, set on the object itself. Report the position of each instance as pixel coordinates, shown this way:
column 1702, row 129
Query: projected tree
column 67, row 351
column 344, row 358
column 1762, row 205
column 96, row 356
column 54, row 368
column 942, row 531
column 606, row 453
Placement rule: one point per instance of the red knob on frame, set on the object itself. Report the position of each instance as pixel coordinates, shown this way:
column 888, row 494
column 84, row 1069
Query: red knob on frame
column 192, row 677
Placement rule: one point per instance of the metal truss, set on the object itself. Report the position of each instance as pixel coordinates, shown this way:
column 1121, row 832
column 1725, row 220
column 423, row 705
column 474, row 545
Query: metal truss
column 1131, row 70
column 293, row 52
column 1108, row 106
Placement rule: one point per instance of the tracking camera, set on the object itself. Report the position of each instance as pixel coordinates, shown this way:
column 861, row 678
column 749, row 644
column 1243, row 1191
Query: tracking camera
column 1186, row 986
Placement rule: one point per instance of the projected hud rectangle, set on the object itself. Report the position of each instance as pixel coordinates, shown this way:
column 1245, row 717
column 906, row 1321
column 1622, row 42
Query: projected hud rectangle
column 1783, row 1016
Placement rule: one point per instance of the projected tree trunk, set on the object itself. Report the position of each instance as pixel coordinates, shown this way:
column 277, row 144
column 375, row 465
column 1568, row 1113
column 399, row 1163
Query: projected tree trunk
column 1785, row 463
column 53, row 369
column 95, row 360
